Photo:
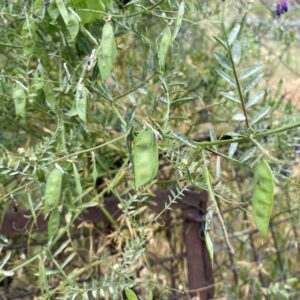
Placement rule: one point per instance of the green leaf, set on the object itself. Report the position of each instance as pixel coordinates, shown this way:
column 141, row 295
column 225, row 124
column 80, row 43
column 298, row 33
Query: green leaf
column 255, row 98
column 236, row 52
column 107, row 52
column 232, row 149
column 178, row 20
column 145, row 158
column 250, row 71
column 229, row 96
column 226, row 77
column 248, row 154
column 38, row 4
column 32, row 209
column 184, row 139
column 252, row 82
column 234, row 34
column 77, row 181
column 96, row 8
column 94, row 172
column 221, row 42
column 73, row 25
column 49, row 95
column 38, row 80
column 63, row 11
column 42, row 275
column 238, row 117
column 223, row 61
column 53, row 223
column 81, row 100
column 164, row 46
column 263, row 196
column 29, row 36
column 130, row 294
column 261, row 114
column 52, row 10
column 53, row 190
column 19, row 96
column 209, row 246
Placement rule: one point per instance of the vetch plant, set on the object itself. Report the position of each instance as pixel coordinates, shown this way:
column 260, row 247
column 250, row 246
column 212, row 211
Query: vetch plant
column 106, row 103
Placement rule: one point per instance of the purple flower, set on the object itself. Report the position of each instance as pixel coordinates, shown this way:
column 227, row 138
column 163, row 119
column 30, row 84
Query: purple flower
column 282, row 7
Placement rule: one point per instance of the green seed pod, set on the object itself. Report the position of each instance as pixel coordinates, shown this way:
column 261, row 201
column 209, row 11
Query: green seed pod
column 263, row 196
column 145, row 157
column 53, row 190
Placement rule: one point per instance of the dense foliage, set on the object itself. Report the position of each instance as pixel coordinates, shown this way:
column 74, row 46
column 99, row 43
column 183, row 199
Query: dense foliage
column 103, row 98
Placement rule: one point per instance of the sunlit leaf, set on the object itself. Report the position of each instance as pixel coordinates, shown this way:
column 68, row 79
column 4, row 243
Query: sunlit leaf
column 238, row 117
column 234, row 34
column 130, row 294
column 230, row 97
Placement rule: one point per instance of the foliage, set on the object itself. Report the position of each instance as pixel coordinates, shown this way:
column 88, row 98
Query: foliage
column 120, row 98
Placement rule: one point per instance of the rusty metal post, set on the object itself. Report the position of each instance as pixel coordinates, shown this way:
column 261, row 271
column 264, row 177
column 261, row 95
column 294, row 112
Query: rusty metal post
column 198, row 262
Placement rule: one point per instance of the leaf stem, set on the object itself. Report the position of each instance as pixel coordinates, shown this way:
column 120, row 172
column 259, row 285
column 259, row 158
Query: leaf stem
column 214, row 202
column 236, row 78
column 87, row 150
column 245, row 138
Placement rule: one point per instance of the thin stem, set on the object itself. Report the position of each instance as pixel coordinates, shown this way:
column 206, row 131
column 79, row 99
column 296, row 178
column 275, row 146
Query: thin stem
column 215, row 204
column 244, row 138
column 87, row 150
column 17, row 189
column 236, row 78
column 146, row 10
